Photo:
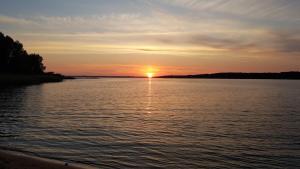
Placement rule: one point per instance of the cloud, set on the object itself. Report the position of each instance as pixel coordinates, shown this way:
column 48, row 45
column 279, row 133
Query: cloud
column 259, row 41
column 109, row 23
column 14, row 21
column 268, row 9
column 288, row 42
column 169, row 26
column 213, row 42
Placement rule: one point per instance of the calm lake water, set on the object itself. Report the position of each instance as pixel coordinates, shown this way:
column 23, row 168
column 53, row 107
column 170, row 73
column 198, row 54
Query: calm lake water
column 163, row 123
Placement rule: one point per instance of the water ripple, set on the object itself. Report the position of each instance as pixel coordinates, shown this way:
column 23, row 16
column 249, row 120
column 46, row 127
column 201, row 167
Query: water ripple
column 175, row 123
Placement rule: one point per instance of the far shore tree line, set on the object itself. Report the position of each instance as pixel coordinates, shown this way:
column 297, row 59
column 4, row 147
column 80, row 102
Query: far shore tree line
column 14, row 59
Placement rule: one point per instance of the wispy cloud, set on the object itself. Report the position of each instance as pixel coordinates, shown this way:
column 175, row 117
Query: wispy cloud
column 218, row 30
column 14, row 21
column 275, row 9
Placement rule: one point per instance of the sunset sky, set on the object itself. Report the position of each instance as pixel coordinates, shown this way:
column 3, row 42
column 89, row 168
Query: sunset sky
column 131, row 37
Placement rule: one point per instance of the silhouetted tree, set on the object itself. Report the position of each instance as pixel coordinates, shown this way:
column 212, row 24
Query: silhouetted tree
column 14, row 59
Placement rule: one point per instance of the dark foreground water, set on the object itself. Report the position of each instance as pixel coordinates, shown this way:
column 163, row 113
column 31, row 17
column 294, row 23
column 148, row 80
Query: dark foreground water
column 165, row 123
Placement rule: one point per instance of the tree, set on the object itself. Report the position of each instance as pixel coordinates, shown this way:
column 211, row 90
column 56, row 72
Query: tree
column 15, row 59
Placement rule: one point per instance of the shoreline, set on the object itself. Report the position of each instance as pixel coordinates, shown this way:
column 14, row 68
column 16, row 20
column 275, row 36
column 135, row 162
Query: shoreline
column 292, row 75
column 18, row 160
column 23, row 79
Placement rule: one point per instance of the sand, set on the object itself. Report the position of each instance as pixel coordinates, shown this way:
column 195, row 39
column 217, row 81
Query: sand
column 17, row 160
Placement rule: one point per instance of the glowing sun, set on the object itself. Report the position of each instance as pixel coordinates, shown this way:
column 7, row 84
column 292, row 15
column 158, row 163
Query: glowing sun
column 150, row 71
column 149, row 74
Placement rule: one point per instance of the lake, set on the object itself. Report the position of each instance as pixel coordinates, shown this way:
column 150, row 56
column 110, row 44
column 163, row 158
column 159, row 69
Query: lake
column 158, row 123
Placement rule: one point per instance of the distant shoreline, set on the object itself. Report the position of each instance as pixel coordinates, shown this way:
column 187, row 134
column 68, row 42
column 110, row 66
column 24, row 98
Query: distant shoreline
column 240, row 75
column 293, row 75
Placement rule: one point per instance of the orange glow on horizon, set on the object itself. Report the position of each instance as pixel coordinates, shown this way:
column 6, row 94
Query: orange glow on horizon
column 150, row 71
column 124, row 69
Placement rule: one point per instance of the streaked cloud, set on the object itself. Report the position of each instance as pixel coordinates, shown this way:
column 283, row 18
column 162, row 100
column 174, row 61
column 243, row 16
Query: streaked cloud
column 14, row 21
column 270, row 9
column 206, row 31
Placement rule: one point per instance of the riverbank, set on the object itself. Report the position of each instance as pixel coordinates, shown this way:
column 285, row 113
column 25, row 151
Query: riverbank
column 16, row 160
column 20, row 79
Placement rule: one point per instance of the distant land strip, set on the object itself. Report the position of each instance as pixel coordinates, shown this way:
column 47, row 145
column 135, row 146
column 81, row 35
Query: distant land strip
column 293, row 75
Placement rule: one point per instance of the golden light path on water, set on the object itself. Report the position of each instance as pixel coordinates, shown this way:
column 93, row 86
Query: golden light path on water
column 149, row 94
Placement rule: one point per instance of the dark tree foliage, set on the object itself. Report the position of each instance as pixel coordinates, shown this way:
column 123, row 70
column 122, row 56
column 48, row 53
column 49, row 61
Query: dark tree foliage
column 14, row 59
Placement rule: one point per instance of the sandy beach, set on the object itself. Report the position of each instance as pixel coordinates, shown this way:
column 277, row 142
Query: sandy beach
column 17, row 160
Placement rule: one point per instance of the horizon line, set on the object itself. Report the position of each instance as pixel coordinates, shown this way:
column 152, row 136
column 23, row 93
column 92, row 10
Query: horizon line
column 133, row 76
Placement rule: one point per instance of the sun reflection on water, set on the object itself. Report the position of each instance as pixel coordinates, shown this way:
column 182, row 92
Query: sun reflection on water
column 149, row 95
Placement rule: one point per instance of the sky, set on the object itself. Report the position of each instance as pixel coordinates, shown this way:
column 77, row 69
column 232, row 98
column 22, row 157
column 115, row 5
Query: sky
column 133, row 37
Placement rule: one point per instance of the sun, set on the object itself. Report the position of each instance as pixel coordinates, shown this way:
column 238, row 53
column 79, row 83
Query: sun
column 149, row 74
column 150, row 71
